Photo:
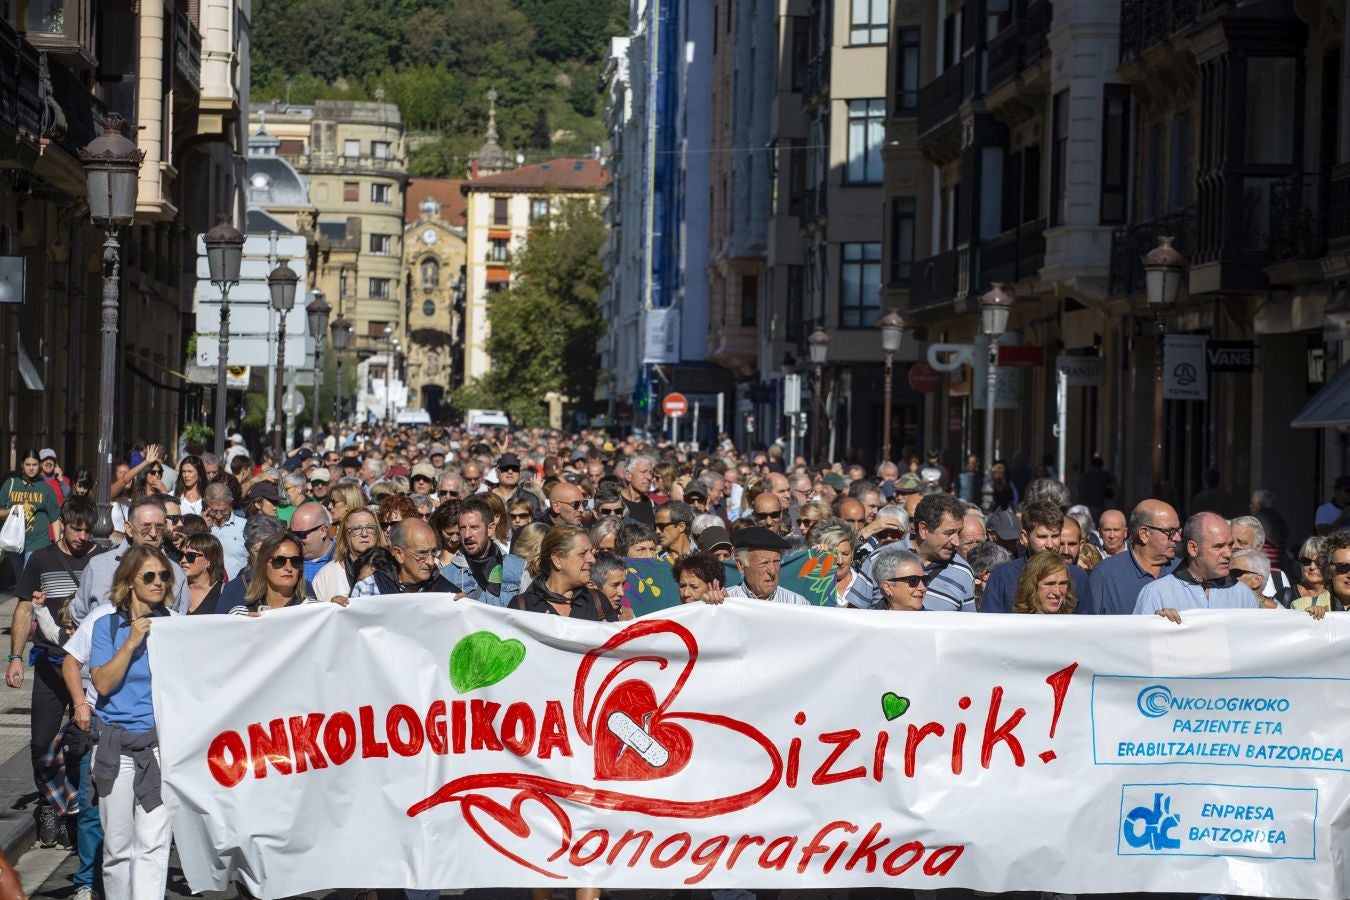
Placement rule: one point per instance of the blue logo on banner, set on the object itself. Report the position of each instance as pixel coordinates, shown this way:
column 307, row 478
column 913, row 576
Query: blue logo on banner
column 1155, row 701
column 1151, row 828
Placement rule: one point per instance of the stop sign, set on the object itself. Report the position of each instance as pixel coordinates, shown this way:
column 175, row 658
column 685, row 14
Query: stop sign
column 924, row 378
column 674, row 405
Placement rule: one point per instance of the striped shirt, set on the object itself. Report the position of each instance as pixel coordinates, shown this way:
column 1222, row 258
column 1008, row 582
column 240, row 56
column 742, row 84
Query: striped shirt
column 951, row 585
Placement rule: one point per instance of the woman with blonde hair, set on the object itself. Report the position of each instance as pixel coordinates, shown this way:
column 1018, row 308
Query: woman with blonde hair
column 1045, row 586
column 358, row 532
column 342, row 499
column 501, row 522
column 561, row 585
column 528, row 541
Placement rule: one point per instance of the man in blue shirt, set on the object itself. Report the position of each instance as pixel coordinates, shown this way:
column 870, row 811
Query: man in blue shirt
column 1042, row 524
column 1154, row 529
column 1203, row 581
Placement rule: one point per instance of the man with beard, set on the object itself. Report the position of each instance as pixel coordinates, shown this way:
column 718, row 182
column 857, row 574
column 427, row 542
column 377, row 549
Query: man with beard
column 482, row 566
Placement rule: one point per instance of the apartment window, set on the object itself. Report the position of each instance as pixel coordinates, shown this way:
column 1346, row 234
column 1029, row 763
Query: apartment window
column 379, row 193
column 1115, row 153
column 378, row 330
column 906, row 71
column 379, row 149
column 500, row 250
column 951, row 40
column 801, row 52
column 796, row 302
column 1179, row 163
column 749, row 300
column 429, row 308
column 379, row 288
column 501, row 211
column 866, row 132
column 1059, row 153
column 997, row 16
column 539, row 209
column 1270, row 110
column 344, row 285
column 351, row 149
column 796, row 180
column 903, row 213
column 380, row 244
column 869, row 22
column 431, row 274
column 1154, row 188
column 351, row 192
column 859, row 285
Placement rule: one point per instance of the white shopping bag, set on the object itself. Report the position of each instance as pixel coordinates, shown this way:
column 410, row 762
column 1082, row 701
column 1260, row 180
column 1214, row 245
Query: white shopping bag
column 12, row 533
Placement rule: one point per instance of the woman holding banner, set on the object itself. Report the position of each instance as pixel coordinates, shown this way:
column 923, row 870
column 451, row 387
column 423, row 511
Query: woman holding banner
column 700, row 577
column 561, row 575
column 126, row 758
column 1045, row 586
column 358, row 532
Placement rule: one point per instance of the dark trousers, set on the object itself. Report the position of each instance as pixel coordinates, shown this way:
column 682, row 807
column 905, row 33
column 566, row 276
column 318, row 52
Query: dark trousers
column 50, row 702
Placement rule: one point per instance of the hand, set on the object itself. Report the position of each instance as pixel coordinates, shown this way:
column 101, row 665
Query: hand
column 81, row 715
column 1170, row 615
column 716, row 595
column 154, row 453
column 880, row 524
column 339, row 600
column 39, row 598
column 140, row 630
column 1317, row 612
column 14, row 673
column 462, row 596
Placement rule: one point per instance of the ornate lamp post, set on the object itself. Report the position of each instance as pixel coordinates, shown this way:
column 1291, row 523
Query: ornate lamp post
column 224, row 253
column 317, row 313
column 818, row 347
column 892, row 327
column 281, row 283
column 995, row 307
column 342, row 339
column 111, row 167
column 1164, row 269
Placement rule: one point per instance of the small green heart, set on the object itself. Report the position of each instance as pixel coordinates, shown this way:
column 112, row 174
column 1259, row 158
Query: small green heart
column 481, row 659
column 893, row 705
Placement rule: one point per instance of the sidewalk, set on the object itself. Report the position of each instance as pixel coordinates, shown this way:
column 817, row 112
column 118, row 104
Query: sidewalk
column 17, row 828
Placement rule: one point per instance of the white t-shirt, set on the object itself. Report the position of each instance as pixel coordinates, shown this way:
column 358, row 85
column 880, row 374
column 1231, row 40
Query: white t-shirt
column 81, row 642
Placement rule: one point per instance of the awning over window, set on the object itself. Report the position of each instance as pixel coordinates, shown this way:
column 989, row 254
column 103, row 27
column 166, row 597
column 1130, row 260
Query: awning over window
column 1329, row 407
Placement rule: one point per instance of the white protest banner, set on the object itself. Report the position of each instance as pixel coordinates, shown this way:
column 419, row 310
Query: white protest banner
column 418, row 742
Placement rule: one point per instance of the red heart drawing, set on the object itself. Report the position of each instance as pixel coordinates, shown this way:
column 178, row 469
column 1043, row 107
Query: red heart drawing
column 617, row 761
column 514, row 821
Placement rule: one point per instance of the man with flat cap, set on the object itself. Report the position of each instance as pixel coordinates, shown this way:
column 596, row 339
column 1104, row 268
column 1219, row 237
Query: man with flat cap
column 759, row 556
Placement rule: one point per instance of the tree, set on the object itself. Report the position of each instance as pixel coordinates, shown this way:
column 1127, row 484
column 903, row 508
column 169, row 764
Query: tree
column 542, row 137
column 544, row 330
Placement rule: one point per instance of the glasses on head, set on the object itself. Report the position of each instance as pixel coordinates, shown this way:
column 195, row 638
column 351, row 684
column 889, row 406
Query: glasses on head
column 191, row 556
column 609, row 511
column 1307, row 561
column 910, row 581
column 281, row 562
column 163, row 575
column 1173, row 534
column 363, row 529
column 1341, row 568
column 762, row 516
column 302, row 535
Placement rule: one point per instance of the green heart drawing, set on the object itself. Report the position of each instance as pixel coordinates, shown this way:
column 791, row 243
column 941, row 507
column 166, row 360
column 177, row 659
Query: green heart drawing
column 893, row 705
column 481, row 659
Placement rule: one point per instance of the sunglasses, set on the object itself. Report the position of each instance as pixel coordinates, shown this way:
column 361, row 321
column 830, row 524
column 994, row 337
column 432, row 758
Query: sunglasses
column 156, row 472
column 574, row 504
column 910, row 581
column 281, row 562
column 508, row 468
column 450, row 495
column 1239, row 573
column 768, row 515
column 163, row 575
column 806, row 523
column 1341, row 568
column 363, row 529
column 662, row 526
column 191, row 556
column 521, row 516
column 318, row 484
column 307, row 532
column 1307, row 561
column 174, row 520
column 609, row 511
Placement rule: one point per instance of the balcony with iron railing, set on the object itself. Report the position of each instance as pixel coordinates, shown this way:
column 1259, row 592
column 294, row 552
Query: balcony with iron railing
column 1019, row 46
column 1014, row 255
column 330, row 162
column 816, row 79
column 940, row 99
column 1130, row 244
column 187, row 49
column 1144, row 24
column 1297, row 223
column 935, row 280
column 20, row 104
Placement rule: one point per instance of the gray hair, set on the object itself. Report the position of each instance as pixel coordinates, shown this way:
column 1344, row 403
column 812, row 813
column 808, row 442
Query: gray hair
column 605, row 565
column 376, row 466
column 680, row 513
column 270, row 473
column 1253, row 561
column 1311, row 547
column 421, row 501
column 1047, row 489
column 210, row 459
column 899, row 513
column 986, row 556
column 604, row 528
column 261, row 528
column 295, row 479
column 705, row 520
column 1254, row 524
column 834, row 531
column 216, row 491
column 646, row 456
column 888, row 561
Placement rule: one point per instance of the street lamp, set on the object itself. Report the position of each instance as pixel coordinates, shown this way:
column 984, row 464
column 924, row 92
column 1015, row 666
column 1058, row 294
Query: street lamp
column 224, row 253
column 317, row 312
column 111, row 167
column 281, row 283
column 342, row 339
column 818, row 347
column 892, row 327
column 994, row 309
column 1164, row 269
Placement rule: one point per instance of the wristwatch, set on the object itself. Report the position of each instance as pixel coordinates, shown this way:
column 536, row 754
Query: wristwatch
column 14, row 656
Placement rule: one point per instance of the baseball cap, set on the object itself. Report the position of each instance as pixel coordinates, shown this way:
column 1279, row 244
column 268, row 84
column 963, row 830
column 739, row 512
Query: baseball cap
column 908, row 483
column 46, row 453
column 320, row 474
column 1004, row 524
column 836, row 481
column 508, row 459
column 424, row 470
column 712, row 537
column 263, row 490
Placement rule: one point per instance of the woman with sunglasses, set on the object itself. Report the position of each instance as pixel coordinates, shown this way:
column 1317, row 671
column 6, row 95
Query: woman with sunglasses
column 342, row 499
column 191, row 485
column 899, row 575
column 204, row 567
column 1311, row 586
column 1334, row 561
column 519, row 513
column 125, row 766
column 278, row 578
column 357, row 533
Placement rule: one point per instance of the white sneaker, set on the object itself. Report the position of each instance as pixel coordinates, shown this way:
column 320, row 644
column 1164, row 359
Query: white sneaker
column 85, row 892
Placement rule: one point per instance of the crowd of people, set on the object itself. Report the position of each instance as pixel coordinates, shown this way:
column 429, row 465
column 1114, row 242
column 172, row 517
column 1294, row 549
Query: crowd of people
column 546, row 522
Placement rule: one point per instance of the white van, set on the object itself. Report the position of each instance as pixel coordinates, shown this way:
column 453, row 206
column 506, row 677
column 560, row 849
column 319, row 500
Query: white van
column 414, row 417
column 479, row 419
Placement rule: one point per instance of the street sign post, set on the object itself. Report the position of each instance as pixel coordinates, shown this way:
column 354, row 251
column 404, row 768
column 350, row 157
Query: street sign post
column 674, row 405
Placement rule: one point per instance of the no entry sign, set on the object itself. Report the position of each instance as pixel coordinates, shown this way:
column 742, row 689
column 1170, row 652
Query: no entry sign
column 674, row 405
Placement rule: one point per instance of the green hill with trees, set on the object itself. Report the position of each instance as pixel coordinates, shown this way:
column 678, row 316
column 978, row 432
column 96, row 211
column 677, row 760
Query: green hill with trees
column 438, row 59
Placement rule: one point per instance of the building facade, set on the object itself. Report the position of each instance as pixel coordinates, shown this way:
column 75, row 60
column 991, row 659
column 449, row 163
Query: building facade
column 434, row 291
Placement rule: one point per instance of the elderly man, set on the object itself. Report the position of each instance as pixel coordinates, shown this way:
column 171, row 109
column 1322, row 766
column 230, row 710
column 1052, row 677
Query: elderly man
column 909, row 491
column 146, row 527
column 450, row 487
column 899, row 575
column 226, row 527
column 1250, row 534
column 472, row 474
column 412, row 543
column 1042, row 524
column 482, row 566
column 372, row 470
column 319, row 479
column 1154, row 529
column 1251, row 569
column 508, row 487
column 674, row 527
column 769, row 513
column 1114, row 532
column 312, row 527
column 870, row 496
column 759, row 557
column 566, row 504
column 972, row 531
column 639, row 477
column 852, row 511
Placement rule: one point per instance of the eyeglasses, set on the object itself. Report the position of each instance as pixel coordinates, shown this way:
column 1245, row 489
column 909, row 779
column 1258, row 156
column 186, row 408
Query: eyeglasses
column 156, row 472
column 363, row 529
column 1341, row 568
column 152, row 527
column 1172, row 533
column 191, row 556
column 1307, row 561
column 302, row 535
column 574, row 504
column 163, row 575
column 911, row 581
column 419, row 555
column 609, row 511
column 768, row 515
column 174, row 520
column 662, row 526
column 281, row 562
column 807, row 523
